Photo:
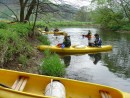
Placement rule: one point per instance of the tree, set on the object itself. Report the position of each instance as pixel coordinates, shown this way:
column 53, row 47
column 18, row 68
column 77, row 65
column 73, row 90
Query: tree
column 28, row 7
column 81, row 15
column 116, row 6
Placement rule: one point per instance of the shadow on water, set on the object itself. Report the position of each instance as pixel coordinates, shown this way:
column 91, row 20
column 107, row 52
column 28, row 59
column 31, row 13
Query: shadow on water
column 66, row 60
column 96, row 57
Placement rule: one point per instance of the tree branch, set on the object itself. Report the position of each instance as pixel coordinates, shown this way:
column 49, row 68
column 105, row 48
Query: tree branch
column 10, row 10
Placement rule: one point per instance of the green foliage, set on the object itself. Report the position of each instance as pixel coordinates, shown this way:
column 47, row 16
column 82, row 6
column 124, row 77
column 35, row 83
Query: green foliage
column 126, row 27
column 21, row 28
column 108, row 18
column 3, row 25
column 83, row 16
column 47, row 53
column 52, row 65
column 23, row 59
column 44, row 40
column 64, row 23
column 15, row 44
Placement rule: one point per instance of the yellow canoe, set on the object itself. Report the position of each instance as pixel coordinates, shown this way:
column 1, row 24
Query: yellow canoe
column 76, row 50
column 52, row 32
column 27, row 85
column 57, row 33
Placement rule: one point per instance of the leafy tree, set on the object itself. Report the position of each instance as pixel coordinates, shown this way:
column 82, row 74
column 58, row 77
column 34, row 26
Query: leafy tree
column 83, row 15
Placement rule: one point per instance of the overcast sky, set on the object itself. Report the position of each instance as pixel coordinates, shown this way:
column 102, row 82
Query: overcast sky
column 75, row 2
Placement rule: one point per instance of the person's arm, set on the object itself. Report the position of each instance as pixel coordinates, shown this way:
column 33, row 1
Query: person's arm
column 85, row 36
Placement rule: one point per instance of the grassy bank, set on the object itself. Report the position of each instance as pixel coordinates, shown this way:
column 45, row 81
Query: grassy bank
column 14, row 44
column 63, row 23
column 18, row 50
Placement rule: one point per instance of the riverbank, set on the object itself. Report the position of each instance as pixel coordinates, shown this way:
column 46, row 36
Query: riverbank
column 17, row 49
column 32, row 65
column 28, row 58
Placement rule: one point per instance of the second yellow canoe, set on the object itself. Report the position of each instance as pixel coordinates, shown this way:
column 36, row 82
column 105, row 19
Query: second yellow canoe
column 76, row 50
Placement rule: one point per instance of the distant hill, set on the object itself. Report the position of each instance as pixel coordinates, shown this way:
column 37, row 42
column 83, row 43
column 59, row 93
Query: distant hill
column 9, row 1
column 65, row 11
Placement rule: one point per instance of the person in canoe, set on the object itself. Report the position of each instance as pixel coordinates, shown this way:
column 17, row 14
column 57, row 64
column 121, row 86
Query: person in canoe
column 46, row 29
column 91, row 38
column 66, row 42
column 55, row 31
column 98, row 41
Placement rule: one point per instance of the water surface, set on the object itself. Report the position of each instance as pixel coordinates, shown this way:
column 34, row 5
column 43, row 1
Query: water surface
column 109, row 68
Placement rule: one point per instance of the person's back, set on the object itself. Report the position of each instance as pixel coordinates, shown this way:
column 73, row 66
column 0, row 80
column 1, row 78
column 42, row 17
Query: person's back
column 46, row 29
column 91, row 38
column 67, row 41
column 98, row 41
column 56, row 30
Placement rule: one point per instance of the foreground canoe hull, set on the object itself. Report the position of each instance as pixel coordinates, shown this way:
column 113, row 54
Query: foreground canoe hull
column 8, row 93
column 36, row 84
column 74, row 50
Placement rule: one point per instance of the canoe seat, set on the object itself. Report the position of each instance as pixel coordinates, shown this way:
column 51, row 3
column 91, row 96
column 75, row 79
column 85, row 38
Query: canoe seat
column 105, row 94
column 20, row 83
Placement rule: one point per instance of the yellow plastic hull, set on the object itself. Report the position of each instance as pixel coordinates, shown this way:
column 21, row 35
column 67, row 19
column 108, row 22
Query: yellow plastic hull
column 73, row 50
column 36, row 84
column 51, row 32
column 57, row 33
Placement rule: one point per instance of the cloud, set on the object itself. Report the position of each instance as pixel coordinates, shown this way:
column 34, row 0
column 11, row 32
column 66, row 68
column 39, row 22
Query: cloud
column 78, row 3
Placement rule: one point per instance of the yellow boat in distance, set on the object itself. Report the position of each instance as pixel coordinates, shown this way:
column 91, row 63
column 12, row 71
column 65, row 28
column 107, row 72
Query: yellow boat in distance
column 55, row 33
column 52, row 32
column 76, row 49
column 15, row 84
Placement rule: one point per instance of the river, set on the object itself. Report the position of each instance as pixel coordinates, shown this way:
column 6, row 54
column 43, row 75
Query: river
column 108, row 68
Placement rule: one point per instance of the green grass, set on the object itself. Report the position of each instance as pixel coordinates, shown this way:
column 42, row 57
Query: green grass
column 62, row 23
column 44, row 40
column 13, row 37
column 23, row 59
column 52, row 65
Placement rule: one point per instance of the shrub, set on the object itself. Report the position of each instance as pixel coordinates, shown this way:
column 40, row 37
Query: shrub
column 44, row 40
column 14, row 44
column 22, row 29
column 52, row 65
column 126, row 27
column 3, row 25
column 23, row 59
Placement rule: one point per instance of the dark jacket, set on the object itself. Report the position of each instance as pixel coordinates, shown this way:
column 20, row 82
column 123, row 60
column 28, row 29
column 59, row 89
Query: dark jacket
column 67, row 41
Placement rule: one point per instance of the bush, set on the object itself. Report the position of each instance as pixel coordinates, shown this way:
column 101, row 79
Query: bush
column 23, row 59
column 52, row 65
column 3, row 25
column 14, row 44
column 44, row 40
column 22, row 29
column 126, row 27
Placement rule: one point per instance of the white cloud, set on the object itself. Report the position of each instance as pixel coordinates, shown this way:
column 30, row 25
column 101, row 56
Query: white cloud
column 77, row 3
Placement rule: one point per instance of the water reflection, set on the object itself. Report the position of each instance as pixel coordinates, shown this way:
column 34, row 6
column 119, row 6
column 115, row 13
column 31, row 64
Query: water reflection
column 112, row 69
column 95, row 57
column 66, row 60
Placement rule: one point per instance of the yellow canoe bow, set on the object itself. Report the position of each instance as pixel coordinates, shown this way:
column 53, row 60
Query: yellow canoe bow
column 27, row 85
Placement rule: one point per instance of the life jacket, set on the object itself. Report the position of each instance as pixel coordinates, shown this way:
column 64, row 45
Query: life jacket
column 91, row 39
column 98, row 41
column 67, row 42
